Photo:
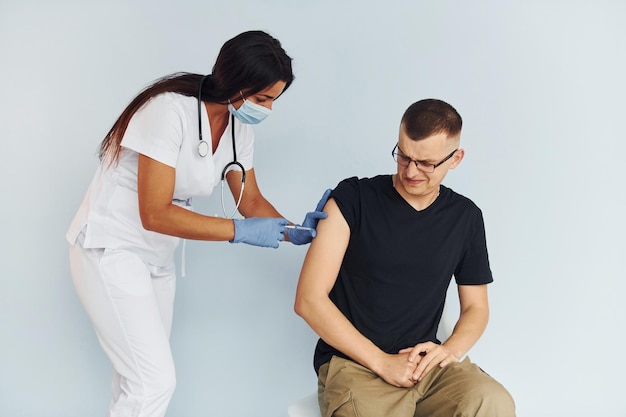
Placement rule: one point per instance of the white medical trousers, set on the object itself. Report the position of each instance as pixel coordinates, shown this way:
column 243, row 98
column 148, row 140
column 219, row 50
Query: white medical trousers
column 130, row 304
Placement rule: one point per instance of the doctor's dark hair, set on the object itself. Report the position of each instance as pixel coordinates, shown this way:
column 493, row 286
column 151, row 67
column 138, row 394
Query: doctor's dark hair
column 429, row 117
column 249, row 62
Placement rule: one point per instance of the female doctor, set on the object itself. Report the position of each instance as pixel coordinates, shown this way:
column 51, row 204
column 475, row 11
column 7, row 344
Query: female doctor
column 179, row 138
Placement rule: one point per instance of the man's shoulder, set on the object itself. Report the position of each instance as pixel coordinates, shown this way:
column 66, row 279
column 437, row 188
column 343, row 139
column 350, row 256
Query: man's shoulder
column 454, row 195
column 365, row 181
column 358, row 192
column 459, row 200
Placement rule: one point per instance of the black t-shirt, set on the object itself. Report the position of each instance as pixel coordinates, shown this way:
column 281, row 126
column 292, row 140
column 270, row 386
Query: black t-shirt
column 399, row 262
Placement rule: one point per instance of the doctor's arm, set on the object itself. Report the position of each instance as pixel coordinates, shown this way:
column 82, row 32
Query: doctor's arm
column 253, row 204
column 155, row 189
column 317, row 278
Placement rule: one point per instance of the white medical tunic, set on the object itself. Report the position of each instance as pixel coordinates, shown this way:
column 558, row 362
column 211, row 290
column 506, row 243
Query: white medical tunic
column 164, row 129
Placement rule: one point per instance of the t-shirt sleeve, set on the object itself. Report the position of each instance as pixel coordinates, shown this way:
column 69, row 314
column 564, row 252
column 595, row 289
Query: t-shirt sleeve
column 156, row 130
column 474, row 267
column 346, row 195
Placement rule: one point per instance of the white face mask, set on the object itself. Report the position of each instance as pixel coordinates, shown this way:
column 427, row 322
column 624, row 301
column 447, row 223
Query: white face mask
column 249, row 112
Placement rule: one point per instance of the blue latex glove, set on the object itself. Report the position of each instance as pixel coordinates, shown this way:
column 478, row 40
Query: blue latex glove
column 303, row 236
column 260, row 231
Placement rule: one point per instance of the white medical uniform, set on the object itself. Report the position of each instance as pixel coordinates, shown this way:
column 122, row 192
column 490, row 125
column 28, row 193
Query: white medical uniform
column 124, row 274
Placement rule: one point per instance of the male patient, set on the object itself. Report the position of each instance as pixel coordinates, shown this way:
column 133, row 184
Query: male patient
column 375, row 278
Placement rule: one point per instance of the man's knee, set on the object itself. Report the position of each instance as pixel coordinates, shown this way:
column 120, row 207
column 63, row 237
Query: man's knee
column 339, row 406
column 491, row 400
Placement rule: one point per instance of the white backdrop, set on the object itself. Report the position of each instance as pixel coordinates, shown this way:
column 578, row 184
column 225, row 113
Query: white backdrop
column 540, row 85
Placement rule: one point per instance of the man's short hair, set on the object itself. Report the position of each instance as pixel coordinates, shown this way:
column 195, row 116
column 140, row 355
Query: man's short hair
column 429, row 117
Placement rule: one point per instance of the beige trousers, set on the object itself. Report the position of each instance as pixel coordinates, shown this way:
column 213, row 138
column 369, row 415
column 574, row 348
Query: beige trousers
column 347, row 389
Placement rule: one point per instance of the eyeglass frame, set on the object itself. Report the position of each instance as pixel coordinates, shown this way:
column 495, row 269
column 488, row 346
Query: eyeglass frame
column 395, row 156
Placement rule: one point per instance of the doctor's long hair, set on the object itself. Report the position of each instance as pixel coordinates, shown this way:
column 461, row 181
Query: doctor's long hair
column 250, row 62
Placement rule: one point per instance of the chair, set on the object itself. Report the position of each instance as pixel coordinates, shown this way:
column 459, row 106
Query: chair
column 305, row 407
column 308, row 406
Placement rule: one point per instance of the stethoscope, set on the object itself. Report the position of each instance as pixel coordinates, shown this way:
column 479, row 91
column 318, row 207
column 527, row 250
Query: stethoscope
column 203, row 150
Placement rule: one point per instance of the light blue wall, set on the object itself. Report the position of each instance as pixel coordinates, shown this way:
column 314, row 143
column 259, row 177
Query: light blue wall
column 540, row 85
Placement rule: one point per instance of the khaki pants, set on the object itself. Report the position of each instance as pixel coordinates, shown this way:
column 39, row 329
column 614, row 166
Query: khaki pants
column 347, row 389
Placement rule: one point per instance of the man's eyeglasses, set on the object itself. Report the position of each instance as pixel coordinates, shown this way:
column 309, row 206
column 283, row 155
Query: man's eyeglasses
column 405, row 161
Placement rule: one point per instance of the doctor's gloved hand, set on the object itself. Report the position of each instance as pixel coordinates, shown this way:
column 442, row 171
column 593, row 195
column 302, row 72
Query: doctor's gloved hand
column 301, row 235
column 260, row 231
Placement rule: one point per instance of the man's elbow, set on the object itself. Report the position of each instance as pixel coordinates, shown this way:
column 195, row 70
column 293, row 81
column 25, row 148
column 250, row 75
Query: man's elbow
column 302, row 306
column 298, row 306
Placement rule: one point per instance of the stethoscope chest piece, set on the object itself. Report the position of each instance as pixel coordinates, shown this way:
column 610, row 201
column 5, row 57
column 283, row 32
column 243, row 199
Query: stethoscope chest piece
column 203, row 148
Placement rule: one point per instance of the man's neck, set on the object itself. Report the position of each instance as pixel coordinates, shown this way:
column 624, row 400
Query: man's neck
column 418, row 202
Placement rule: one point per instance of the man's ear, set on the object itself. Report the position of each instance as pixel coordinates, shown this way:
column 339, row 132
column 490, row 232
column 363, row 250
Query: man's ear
column 457, row 158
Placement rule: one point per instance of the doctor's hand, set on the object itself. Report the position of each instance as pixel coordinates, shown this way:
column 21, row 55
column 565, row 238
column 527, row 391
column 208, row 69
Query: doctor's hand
column 260, row 231
column 304, row 235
